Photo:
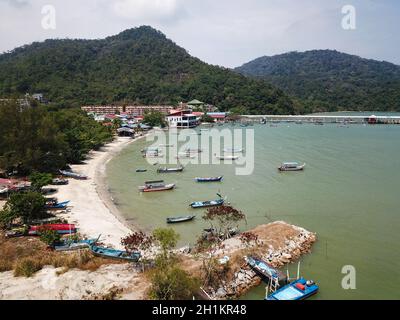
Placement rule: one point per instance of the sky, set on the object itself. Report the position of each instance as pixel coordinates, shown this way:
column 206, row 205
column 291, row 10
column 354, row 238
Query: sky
column 221, row 32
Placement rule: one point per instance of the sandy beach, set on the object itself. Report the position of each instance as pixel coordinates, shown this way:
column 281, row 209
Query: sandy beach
column 92, row 208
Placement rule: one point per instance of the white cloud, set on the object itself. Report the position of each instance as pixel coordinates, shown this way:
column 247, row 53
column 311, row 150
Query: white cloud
column 147, row 9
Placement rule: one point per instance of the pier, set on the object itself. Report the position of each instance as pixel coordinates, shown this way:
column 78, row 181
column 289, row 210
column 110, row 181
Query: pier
column 317, row 119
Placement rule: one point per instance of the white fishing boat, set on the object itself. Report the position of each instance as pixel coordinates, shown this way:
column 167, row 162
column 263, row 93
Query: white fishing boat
column 292, row 166
column 233, row 150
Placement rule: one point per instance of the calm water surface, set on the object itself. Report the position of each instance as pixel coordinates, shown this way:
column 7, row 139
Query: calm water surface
column 349, row 195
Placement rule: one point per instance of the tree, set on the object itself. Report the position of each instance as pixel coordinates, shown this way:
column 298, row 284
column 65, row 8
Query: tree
column 39, row 180
column 138, row 242
column 173, row 283
column 222, row 219
column 155, row 119
column 168, row 281
column 207, row 119
column 49, row 237
column 25, row 206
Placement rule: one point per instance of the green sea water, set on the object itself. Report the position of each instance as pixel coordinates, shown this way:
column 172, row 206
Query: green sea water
column 348, row 194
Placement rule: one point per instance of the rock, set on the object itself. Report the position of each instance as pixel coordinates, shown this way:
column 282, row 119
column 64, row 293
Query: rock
column 221, row 293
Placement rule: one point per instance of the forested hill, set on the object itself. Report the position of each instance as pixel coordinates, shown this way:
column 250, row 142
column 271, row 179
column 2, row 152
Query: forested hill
column 136, row 66
column 329, row 80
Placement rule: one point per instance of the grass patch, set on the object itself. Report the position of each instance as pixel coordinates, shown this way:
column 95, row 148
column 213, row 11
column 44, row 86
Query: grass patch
column 26, row 256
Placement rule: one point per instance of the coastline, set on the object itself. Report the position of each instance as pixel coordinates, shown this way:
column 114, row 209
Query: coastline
column 92, row 208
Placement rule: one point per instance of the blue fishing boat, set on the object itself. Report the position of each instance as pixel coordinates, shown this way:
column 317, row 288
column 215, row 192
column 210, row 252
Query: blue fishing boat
column 69, row 245
column 263, row 269
column 57, row 206
column 214, row 179
column 297, row 290
column 115, row 254
column 207, row 204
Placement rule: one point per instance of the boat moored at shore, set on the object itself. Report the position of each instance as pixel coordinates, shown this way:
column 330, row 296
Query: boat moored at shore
column 298, row 290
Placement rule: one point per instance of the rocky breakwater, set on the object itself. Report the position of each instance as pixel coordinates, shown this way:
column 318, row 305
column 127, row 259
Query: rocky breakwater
column 278, row 244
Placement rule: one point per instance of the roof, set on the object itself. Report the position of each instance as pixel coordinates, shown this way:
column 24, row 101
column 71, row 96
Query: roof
column 195, row 102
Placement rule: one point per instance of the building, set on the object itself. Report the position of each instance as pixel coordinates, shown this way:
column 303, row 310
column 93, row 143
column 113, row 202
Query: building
column 103, row 110
column 138, row 111
column 182, row 119
column 218, row 116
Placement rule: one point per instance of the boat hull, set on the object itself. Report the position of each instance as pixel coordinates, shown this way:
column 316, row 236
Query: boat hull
column 180, row 219
column 161, row 189
column 206, row 180
column 207, row 204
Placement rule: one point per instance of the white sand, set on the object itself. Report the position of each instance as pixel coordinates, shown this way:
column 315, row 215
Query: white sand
column 92, row 209
column 74, row 285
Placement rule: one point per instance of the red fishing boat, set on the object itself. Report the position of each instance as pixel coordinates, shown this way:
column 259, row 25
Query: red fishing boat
column 63, row 228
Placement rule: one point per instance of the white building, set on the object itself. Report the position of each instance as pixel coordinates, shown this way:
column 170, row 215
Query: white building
column 182, row 119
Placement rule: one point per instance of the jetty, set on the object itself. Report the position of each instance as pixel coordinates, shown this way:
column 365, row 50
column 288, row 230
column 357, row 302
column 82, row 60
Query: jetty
column 321, row 119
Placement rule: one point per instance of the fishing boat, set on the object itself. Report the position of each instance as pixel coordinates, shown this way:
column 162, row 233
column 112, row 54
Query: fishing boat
column 189, row 150
column 228, row 158
column 213, row 179
column 185, row 156
column 151, row 149
column 207, row 204
column 141, row 170
column 166, row 146
column 298, row 290
column 233, row 150
column 170, row 170
column 263, row 269
column 180, row 219
column 73, row 175
column 59, row 228
column 153, row 155
column 51, row 220
column 16, row 232
column 115, row 254
column 59, row 182
column 57, row 206
column 69, row 245
column 156, row 186
column 292, row 166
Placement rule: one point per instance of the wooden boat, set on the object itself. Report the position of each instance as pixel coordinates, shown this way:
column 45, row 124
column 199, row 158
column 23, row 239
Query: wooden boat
column 233, row 150
column 16, row 232
column 62, row 228
column 207, row 204
column 59, row 182
column 292, row 166
column 228, row 158
column 115, row 254
column 52, row 220
column 170, row 170
column 73, row 175
column 185, row 156
column 263, row 269
column 166, row 145
column 149, row 150
column 180, row 219
column 141, row 170
column 68, row 245
column 57, row 206
column 213, row 179
column 156, row 186
column 189, row 150
column 297, row 290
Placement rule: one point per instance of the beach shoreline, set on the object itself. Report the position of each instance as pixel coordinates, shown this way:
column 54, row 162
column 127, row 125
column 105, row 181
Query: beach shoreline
column 92, row 207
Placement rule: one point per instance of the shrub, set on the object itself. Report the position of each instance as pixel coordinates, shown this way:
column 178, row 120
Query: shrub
column 27, row 267
column 49, row 237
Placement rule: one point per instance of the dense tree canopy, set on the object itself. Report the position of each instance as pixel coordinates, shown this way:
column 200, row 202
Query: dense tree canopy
column 137, row 66
column 328, row 80
column 38, row 139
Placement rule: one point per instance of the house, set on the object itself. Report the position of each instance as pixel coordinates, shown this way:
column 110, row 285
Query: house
column 182, row 119
column 218, row 116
